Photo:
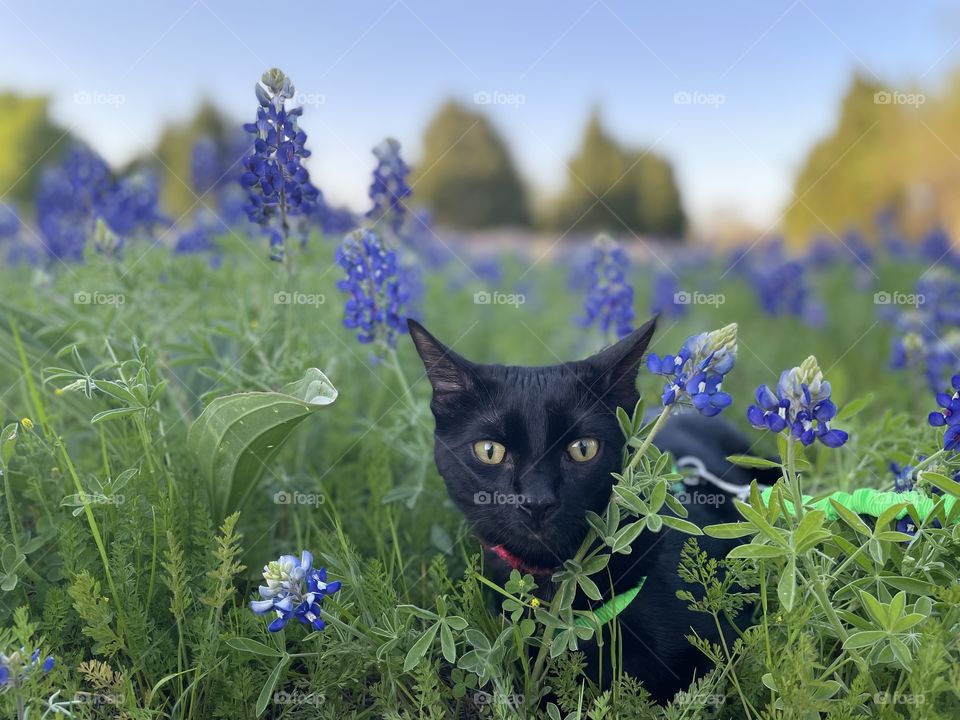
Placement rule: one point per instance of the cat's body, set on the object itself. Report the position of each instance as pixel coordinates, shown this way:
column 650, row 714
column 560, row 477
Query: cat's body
column 526, row 452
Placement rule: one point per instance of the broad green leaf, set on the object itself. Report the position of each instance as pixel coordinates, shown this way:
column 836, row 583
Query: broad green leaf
column 237, row 436
column 270, row 684
column 682, row 525
column 946, row 484
column 420, row 648
column 447, row 645
column 626, row 535
column 850, row 518
column 8, row 441
column 854, row 406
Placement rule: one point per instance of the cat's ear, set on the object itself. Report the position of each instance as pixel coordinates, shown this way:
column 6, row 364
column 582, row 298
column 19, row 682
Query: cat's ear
column 449, row 373
column 616, row 367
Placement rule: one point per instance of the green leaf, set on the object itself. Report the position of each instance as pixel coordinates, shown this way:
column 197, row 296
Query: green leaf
column 626, row 535
column 253, row 646
column 749, row 461
column 787, row 587
column 8, row 441
column 730, row 530
column 447, row 646
column 850, row 518
column 270, row 684
column 681, row 525
column 757, row 552
column 854, row 407
column 952, row 487
column 420, row 648
column 114, row 414
column 237, row 436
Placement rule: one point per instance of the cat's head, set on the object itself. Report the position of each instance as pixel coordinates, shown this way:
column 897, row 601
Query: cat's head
column 526, row 451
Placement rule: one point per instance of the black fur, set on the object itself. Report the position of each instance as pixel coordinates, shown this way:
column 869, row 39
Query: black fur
column 535, row 412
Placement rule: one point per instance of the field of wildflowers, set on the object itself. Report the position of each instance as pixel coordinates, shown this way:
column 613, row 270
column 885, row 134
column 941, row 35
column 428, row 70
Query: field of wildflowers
column 219, row 496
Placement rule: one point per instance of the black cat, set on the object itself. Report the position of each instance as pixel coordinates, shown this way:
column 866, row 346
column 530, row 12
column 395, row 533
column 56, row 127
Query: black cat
column 526, row 451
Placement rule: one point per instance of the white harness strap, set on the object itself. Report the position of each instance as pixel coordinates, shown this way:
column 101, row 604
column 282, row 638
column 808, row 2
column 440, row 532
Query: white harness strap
column 700, row 472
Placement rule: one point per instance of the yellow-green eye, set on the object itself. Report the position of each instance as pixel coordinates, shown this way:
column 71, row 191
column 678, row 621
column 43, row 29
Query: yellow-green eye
column 583, row 449
column 489, row 452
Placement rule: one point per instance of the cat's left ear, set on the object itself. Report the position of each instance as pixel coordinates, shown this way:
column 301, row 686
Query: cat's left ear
column 616, row 367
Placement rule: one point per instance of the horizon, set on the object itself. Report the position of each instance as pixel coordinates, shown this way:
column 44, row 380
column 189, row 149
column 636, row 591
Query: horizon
column 747, row 68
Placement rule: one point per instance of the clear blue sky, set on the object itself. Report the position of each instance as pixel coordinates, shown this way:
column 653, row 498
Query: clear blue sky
column 382, row 67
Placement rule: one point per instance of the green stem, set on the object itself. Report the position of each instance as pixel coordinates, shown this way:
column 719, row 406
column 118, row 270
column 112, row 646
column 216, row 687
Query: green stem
column 648, row 441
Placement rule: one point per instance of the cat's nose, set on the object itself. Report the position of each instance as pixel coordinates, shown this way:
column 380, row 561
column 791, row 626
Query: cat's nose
column 538, row 508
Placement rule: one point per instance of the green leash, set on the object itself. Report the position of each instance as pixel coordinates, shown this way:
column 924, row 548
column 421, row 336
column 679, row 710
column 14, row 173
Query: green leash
column 867, row 501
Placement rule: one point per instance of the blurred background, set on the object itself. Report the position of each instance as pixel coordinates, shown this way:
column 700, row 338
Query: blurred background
column 541, row 123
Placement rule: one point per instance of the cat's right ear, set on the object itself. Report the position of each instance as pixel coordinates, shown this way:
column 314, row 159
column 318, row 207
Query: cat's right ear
column 448, row 372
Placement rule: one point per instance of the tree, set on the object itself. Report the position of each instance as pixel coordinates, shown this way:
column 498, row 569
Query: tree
column 30, row 140
column 615, row 189
column 466, row 176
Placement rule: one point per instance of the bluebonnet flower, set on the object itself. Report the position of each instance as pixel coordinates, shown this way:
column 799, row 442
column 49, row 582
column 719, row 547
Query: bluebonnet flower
column 948, row 415
column 204, row 165
column 294, row 590
column 609, row 301
column 801, row 406
column 389, row 187
column 15, row 669
column 278, row 184
column 695, row 374
column 73, row 195
column 665, row 296
column 375, row 306
column 9, row 222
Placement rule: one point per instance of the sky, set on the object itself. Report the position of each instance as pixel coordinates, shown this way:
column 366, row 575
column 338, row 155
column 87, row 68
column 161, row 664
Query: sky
column 733, row 93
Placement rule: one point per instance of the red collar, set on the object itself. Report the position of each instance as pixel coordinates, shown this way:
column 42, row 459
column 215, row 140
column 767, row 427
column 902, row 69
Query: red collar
column 516, row 563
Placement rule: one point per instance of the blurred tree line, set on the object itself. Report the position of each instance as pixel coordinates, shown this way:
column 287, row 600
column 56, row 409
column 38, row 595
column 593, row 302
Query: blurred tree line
column 896, row 151
column 466, row 177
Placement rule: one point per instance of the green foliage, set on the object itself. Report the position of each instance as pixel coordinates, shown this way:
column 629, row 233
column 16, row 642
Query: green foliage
column 466, row 175
column 30, row 140
column 617, row 189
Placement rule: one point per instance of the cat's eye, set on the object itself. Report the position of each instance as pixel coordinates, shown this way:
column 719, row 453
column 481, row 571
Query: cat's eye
column 489, row 452
column 583, row 449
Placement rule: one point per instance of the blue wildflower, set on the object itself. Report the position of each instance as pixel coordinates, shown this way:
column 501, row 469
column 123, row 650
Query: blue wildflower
column 695, row 374
column 609, row 301
column 800, row 406
column 294, row 590
column 948, row 415
column 278, row 184
column 15, row 670
column 9, row 222
column 375, row 306
column 389, row 187
column 666, row 295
